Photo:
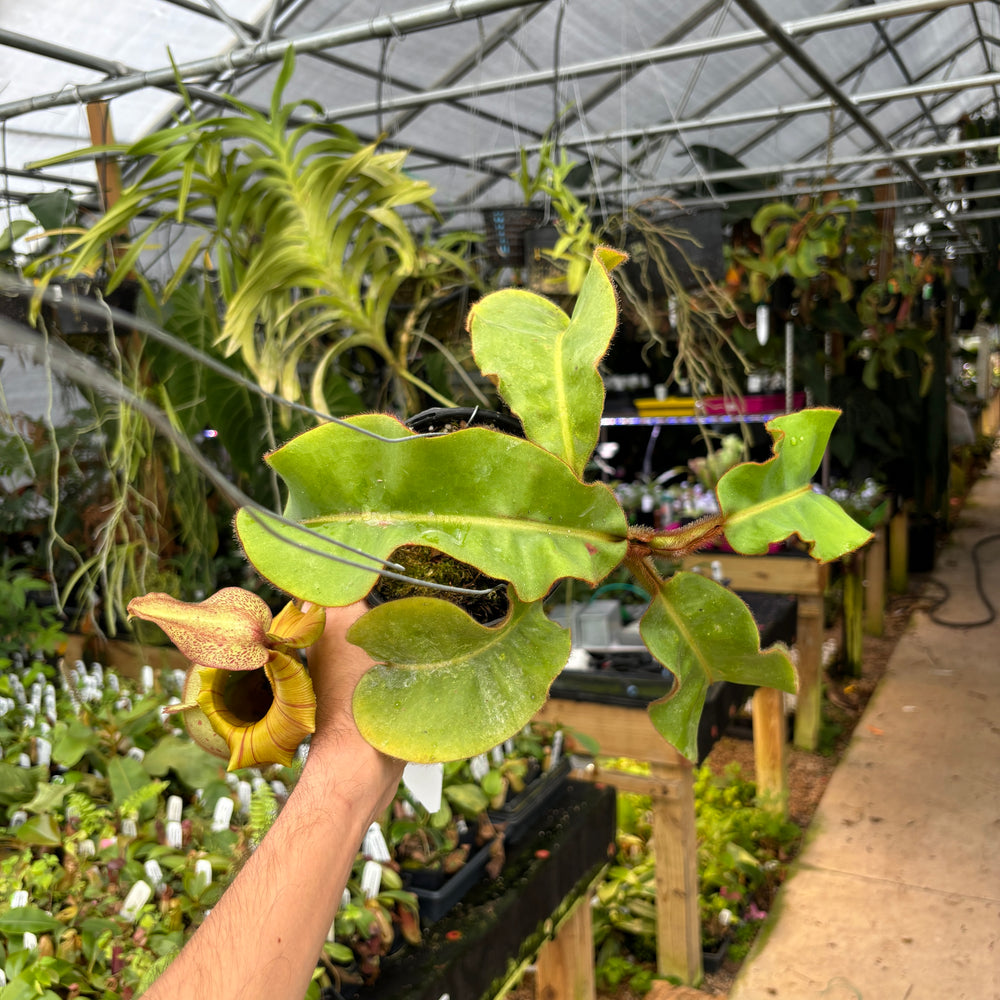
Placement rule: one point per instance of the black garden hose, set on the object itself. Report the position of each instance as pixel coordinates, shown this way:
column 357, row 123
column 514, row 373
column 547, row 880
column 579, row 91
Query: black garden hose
column 977, row 568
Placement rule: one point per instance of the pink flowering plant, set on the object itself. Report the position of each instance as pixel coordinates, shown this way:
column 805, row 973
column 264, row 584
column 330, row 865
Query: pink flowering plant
column 362, row 491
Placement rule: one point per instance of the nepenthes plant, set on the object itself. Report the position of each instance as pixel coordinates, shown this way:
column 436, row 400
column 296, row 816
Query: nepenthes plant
column 520, row 511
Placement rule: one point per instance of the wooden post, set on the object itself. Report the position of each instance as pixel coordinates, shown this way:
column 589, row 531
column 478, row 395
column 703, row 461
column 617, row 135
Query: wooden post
column 853, row 614
column 809, row 639
column 629, row 732
column 769, row 738
column 899, row 527
column 564, row 969
column 675, row 848
column 874, row 576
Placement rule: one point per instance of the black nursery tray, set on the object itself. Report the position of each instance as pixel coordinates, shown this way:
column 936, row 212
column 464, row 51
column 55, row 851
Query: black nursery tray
column 438, row 893
column 502, row 922
column 632, row 678
column 520, row 812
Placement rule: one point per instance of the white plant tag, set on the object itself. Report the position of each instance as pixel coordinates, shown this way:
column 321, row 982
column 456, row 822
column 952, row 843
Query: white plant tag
column 203, row 873
column 30, row 941
column 111, row 683
column 175, row 835
column 345, row 898
column 138, row 896
column 508, row 747
column 175, row 808
column 19, row 818
column 129, row 828
column 87, row 849
column 146, row 679
column 280, row 790
column 424, row 782
column 24, row 760
column 496, row 754
column 371, row 879
column 479, row 766
column 374, row 845
column 19, row 898
column 154, row 873
column 43, row 751
column 222, row 814
column 557, row 747
column 244, row 793
column 137, row 753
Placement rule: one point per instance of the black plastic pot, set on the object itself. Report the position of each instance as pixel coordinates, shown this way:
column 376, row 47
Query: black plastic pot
column 445, row 420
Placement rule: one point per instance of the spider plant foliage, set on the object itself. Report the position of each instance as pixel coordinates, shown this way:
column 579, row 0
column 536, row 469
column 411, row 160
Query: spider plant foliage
column 299, row 220
column 521, row 512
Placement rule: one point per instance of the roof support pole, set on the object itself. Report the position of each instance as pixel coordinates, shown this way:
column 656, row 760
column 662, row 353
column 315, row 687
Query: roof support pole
column 773, row 30
column 383, row 26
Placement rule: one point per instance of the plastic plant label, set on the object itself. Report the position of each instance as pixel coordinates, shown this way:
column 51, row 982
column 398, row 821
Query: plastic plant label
column 371, row 879
column 222, row 814
column 30, row 941
column 43, row 751
column 129, row 828
column 19, row 898
column 175, row 835
column 244, row 793
column 17, row 819
column 138, row 896
column 136, row 753
column 203, row 873
column 175, row 808
column 557, row 748
column 496, row 755
column 479, row 766
column 154, row 873
column 146, row 679
column 111, row 683
column 280, row 790
column 424, row 783
column 87, row 848
column 374, row 845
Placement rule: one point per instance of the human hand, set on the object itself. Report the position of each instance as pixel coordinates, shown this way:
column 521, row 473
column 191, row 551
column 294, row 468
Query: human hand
column 336, row 666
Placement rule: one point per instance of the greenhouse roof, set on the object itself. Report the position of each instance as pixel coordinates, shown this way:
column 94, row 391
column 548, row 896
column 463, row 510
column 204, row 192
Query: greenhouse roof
column 707, row 103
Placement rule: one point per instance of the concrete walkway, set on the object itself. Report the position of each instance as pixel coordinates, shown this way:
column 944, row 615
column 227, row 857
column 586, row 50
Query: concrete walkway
column 896, row 895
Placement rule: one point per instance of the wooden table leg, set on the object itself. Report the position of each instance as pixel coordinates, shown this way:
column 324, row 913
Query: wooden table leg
column 564, row 969
column 875, row 565
column 809, row 639
column 769, row 738
column 675, row 848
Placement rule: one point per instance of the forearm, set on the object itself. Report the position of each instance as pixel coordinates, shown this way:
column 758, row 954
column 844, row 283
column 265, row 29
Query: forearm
column 264, row 937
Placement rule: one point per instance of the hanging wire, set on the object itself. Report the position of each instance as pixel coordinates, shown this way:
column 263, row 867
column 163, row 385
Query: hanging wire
column 64, row 360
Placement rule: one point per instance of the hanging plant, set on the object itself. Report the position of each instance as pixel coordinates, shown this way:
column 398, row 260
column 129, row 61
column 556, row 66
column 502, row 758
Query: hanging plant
column 521, row 512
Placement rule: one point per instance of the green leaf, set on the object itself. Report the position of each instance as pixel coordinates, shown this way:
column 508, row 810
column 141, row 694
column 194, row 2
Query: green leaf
column 766, row 502
column 48, row 797
column 195, row 767
column 126, row 776
column 17, row 229
column 502, row 504
column 445, row 687
column 25, row 919
column 469, row 799
column 41, row 830
column 71, row 741
column 546, row 363
column 18, row 784
column 704, row 633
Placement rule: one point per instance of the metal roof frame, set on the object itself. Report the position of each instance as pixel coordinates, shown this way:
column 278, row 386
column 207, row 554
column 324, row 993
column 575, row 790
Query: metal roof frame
column 508, row 65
